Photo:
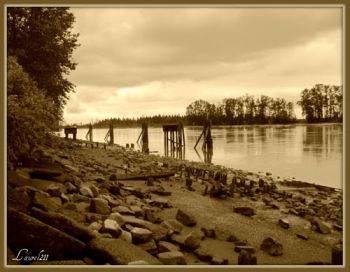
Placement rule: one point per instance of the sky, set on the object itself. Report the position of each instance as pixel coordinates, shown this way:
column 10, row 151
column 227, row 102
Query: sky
column 145, row 61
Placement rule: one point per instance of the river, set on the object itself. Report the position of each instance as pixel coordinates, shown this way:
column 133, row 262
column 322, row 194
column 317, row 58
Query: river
column 307, row 152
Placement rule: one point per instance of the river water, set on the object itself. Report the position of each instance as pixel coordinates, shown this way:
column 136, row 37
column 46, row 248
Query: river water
column 307, row 152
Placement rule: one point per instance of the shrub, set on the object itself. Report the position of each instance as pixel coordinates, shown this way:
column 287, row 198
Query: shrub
column 31, row 116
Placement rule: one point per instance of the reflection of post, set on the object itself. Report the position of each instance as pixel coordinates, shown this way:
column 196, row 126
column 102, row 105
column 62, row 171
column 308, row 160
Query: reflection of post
column 111, row 134
column 89, row 134
column 145, row 138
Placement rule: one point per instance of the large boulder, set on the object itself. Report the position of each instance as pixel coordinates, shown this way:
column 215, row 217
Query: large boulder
column 272, row 247
column 63, row 223
column 185, row 218
column 118, row 251
column 26, row 232
column 112, row 227
column 141, row 235
column 193, row 239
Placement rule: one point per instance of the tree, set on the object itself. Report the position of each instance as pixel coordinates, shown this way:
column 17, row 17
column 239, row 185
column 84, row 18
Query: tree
column 30, row 115
column 42, row 41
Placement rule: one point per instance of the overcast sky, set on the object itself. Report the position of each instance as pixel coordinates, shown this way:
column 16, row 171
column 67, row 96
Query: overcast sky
column 147, row 61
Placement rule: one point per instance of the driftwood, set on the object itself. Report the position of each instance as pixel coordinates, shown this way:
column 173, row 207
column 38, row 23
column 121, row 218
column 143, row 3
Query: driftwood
column 146, row 176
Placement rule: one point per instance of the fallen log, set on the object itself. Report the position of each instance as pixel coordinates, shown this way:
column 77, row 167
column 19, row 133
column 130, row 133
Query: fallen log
column 146, row 176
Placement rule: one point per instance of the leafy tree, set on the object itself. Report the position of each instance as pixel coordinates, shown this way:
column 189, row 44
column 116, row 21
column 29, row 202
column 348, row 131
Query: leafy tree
column 41, row 39
column 30, row 115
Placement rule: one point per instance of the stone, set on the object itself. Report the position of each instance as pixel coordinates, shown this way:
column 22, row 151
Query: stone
column 64, row 224
column 152, row 216
column 112, row 227
column 86, row 191
column 302, row 236
column 173, row 225
column 208, row 232
column 126, row 236
column 117, row 217
column 71, row 188
column 272, row 247
column 118, row 251
column 99, row 205
column 141, row 235
column 172, row 258
column 44, row 173
column 123, row 210
column 55, row 190
column 249, row 249
column 320, row 226
column 193, row 239
column 95, row 226
column 284, row 223
column 185, row 218
column 54, row 242
column 95, row 191
column 164, row 246
column 141, row 262
column 159, row 232
column 45, row 202
column 246, row 258
column 150, row 247
column 244, row 210
column 80, row 198
column 93, row 217
column 113, row 177
column 137, row 222
column 136, row 210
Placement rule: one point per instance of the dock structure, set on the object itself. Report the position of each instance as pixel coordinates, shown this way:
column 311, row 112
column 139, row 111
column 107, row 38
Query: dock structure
column 143, row 138
column 71, row 130
column 174, row 140
column 109, row 138
column 207, row 145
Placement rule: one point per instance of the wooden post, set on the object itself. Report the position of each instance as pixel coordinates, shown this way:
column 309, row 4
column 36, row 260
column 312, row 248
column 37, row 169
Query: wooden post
column 111, row 134
column 145, row 147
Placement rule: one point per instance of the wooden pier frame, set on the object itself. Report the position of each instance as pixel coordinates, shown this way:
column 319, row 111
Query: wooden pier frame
column 109, row 138
column 144, row 138
column 70, row 130
column 207, row 139
column 174, row 140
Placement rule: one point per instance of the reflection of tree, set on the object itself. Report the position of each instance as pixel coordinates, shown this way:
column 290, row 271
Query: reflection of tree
column 322, row 140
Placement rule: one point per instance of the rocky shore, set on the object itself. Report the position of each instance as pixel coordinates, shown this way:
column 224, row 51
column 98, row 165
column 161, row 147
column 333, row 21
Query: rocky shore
column 92, row 206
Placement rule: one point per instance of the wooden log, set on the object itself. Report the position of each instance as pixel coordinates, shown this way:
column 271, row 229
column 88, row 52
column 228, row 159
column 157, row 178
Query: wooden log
column 146, row 176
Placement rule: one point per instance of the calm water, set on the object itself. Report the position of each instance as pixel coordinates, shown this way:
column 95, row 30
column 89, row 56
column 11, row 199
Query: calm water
column 311, row 153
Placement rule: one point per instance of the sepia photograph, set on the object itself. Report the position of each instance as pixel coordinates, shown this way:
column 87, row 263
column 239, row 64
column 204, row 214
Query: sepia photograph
column 190, row 136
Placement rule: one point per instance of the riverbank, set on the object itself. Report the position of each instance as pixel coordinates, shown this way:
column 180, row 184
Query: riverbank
column 86, row 197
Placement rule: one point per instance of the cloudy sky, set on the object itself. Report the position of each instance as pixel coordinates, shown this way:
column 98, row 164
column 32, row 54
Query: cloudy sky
column 145, row 61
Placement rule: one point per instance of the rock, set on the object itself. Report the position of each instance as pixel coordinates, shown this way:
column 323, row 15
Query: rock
column 44, row 202
column 126, row 236
column 210, row 233
column 99, row 205
column 117, row 217
column 55, row 190
column 123, row 210
column 193, row 239
column 284, row 223
column 150, row 247
column 80, row 198
column 140, row 235
column 136, row 222
column 95, row 191
column 141, row 262
column 86, row 191
column 42, row 237
column 244, row 210
column 63, row 224
column 246, row 258
column 249, row 249
column 93, row 217
column 18, row 199
column 159, row 232
column 95, row 226
column 118, row 251
column 136, row 210
column 111, row 201
column 152, row 216
column 272, row 247
column 185, row 218
column 320, row 226
column 111, row 226
column 172, row 258
column 44, row 174
column 302, row 236
column 113, row 177
column 99, row 179
column 164, row 246
column 173, row 225
column 160, row 202
column 71, row 188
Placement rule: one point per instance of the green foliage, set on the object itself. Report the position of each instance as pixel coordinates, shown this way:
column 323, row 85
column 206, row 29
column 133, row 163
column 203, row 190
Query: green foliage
column 30, row 115
column 42, row 41
column 322, row 103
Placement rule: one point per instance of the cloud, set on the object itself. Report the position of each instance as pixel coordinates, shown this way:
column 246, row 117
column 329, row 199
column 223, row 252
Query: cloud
column 135, row 61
